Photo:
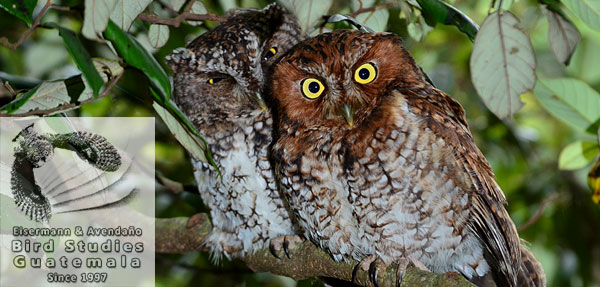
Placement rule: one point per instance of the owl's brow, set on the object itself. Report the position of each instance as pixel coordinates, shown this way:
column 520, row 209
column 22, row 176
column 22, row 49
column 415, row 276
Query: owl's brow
column 303, row 64
column 211, row 74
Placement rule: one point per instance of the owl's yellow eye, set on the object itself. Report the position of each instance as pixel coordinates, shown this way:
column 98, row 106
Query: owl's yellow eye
column 272, row 52
column 365, row 74
column 213, row 81
column 312, row 88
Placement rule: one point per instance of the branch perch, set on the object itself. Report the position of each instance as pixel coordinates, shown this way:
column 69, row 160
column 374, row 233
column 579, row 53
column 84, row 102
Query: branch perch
column 185, row 15
column 182, row 234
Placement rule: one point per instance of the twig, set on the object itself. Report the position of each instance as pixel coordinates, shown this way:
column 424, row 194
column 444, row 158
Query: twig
column 174, row 186
column 185, row 15
column 175, row 22
column 68, row 106
column 499, row 10
column 13, row 46
column 539, row 212
column 182, row 234
column 370, row 9
column 10, row 89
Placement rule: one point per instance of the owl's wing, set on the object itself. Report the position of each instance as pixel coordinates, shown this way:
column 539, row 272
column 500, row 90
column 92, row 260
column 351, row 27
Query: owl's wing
column 445, row 118
column 80, row 185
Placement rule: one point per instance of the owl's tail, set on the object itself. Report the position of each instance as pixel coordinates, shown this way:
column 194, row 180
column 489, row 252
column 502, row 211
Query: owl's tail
column 531, row 273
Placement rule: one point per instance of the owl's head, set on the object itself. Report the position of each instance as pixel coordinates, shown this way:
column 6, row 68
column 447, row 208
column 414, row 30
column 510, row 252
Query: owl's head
column 337, row 79
column 223, row 70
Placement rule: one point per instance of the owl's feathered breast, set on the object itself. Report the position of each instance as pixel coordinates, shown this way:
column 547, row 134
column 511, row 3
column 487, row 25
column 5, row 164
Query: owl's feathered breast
column 411, row 175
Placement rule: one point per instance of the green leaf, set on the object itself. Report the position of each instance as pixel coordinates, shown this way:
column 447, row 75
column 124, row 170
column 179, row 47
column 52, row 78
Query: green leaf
column 20, row 100
column 436, row 11
column 570, row 100
column 135, row 55
column 82, row 59
column 183, row 120
column 562, row 35
column 505, row 4
column 95, row 17
column 419, row 28
column 587, row 10
column 19, row 82
column 308, row 12
column 22, row 9
column 191, row 142
column 46, row 96
column 228, row 4
column 108, row 69
column 125, row 12
column 415, row 31
column 594, row 128
column 577, row 155
column 197, row 8
column 158, row 35
column 376, row 20
column 502, row 64
column 175, row 4
column 339, row 17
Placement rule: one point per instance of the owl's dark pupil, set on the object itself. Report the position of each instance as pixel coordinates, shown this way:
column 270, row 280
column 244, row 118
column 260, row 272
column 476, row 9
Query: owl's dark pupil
column 313, row 87
column 364, row 73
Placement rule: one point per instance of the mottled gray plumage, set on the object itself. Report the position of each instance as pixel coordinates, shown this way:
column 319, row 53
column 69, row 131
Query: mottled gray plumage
column 218, row 84
column 381, row 167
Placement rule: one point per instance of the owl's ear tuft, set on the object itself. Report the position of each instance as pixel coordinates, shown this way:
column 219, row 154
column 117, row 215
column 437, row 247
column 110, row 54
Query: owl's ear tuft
column 395, row 64
column 275, row 9
column 179, row 56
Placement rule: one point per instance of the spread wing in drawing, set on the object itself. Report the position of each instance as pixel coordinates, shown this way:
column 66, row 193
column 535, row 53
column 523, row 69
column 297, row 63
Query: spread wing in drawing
column 47, row 179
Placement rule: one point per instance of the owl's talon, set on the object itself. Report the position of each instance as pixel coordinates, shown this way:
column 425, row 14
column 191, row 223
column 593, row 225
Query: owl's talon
column 285, row 242
column 273, row 251
column 286, row 247
column 373, row 273
column 402, row 265
column 355, row 272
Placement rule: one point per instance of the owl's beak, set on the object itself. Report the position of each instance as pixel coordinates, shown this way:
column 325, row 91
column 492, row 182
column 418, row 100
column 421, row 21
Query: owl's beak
column 348, row 113
column 261, row 102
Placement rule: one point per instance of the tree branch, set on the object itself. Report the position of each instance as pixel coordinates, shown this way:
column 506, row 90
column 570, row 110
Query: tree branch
column 36, row 23
column 370, row 9
column 185, row 15
column 539, row 212
column 69, row 106
column 10, row 89
column 181, row 234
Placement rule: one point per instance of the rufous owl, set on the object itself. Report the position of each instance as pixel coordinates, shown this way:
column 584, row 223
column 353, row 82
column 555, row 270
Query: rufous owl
column 380, row 166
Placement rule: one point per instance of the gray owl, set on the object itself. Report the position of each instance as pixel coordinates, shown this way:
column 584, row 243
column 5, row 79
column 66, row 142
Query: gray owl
column 218, row 83
column 380, row 166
